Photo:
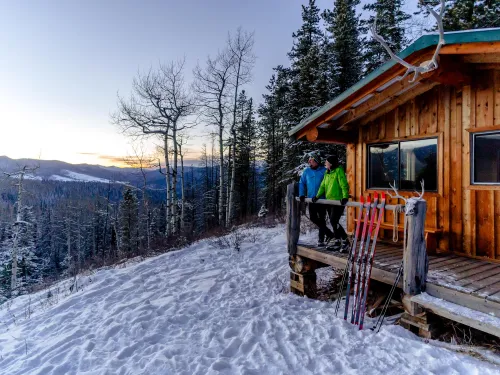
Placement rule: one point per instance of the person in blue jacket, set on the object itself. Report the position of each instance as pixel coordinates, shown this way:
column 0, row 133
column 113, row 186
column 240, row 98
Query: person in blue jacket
column 309, row 184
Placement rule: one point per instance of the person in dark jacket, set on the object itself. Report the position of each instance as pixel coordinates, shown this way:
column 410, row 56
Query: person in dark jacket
column 309, row 184
column 335, row 187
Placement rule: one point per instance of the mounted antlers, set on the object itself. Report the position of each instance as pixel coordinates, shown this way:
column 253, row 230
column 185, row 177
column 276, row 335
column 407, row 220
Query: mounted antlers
column 427, row 66
column 409, row 202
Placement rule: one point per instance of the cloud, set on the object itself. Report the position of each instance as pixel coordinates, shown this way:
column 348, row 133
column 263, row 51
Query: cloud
column 112, row 159
column 88, row 153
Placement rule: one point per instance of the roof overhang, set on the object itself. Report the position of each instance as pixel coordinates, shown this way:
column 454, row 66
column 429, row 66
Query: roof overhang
column 384, row 89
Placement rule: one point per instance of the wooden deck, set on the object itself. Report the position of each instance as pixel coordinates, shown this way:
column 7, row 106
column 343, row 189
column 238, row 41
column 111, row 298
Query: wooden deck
column 467, row 282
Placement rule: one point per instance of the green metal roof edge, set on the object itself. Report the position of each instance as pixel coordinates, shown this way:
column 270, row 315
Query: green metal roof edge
column 425, row 41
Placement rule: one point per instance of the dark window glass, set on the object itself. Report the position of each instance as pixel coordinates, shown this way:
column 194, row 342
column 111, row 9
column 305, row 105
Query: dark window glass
column 418, row 161
column 406, row 163
column 486, row 158
column 383, row 165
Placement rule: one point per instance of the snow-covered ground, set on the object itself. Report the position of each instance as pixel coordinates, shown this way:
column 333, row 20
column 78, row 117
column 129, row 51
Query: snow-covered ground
column 71, row 176
column 207, row 309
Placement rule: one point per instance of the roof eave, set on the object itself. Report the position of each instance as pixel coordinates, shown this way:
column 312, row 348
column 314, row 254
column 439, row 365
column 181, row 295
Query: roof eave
column 422, row 43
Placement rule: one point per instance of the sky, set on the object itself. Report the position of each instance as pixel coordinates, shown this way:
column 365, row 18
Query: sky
column 64, row 62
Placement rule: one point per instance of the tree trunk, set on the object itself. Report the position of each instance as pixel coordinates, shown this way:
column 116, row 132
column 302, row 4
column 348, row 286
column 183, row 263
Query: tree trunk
column 233, row 133
column 68, row 244
column 175, row 218
column 183, row 192
column 292, row 218
column 167, row 181
column 221, row 176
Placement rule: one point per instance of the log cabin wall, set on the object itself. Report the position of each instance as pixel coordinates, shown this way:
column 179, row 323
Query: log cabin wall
column 468, row 215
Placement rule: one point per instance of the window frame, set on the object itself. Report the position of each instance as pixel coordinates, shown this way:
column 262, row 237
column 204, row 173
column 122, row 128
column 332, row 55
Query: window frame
column 472, row 158
column 398, row 143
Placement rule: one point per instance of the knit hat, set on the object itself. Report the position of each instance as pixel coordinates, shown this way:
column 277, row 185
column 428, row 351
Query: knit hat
column 315, row 156
column 333, row 160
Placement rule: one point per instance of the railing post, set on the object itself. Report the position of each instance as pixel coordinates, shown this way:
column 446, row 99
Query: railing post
column 416, row 262
column 292, row 218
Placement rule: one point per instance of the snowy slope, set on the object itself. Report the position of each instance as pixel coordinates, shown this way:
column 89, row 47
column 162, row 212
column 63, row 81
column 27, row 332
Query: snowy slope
column 206, row 310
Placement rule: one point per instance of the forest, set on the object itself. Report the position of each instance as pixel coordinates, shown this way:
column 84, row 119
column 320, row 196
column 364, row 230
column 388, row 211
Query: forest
column 54, row 229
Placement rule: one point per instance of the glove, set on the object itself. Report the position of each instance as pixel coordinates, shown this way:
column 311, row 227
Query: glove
column 315, row 199
column 302, row 198
column 344, row 201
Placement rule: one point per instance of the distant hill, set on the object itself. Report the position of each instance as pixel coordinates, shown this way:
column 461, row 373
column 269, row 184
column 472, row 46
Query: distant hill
column 54, row 170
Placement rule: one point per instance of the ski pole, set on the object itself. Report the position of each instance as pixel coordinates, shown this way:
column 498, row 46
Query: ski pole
column 381, row 318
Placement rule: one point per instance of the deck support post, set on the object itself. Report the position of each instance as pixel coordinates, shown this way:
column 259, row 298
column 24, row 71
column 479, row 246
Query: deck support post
column 292, row 218
column 415, row 267
column 415, row 260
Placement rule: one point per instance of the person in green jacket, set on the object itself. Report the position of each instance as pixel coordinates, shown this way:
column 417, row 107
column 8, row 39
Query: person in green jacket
column 335, row 187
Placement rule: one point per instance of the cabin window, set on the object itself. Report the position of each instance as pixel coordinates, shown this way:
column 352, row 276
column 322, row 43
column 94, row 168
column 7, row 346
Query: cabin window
column 405, row 162
column 486, row 158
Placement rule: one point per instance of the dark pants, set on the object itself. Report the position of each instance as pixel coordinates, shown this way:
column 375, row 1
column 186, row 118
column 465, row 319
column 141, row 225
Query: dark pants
column 317, row 214
column 335, row 213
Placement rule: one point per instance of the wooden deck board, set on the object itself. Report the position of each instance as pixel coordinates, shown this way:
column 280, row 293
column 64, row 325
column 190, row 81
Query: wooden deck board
column 441, row 259
column 388, row 263
column 456, row 283
column 470, row 270
column 472, row 280
column 446, row 264
column 383, row 257
column 483, row 283
column 489, row 290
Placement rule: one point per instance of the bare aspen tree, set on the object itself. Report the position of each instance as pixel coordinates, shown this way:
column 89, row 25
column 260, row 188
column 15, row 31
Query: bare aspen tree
column 160, row 105
column 181, row 107
column 241, row 49
column 212, row 86
column 182, row 141
column 20, row 175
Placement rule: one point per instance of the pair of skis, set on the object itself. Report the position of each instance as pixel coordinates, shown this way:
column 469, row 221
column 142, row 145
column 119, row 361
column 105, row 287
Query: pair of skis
column 359, row 263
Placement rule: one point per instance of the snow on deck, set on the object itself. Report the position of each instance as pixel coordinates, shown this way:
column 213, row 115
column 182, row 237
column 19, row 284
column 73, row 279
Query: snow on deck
column 459, row 313
column 207, row 310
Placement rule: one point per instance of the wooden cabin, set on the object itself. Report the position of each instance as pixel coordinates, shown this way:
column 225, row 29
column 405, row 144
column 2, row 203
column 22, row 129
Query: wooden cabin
column 442, row 127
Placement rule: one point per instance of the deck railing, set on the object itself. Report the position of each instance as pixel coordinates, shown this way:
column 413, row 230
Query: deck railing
column 415, row 260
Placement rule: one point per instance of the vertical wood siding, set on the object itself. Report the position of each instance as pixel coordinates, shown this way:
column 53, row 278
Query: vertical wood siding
column 469, row 218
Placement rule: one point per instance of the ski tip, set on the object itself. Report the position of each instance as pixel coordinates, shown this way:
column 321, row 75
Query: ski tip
column 383, row 195
column 362, row 199
column 368, row 199
column 375, row 195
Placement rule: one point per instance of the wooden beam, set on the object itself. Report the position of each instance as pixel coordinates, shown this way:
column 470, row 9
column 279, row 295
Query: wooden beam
column 489, row 66
column 449, row 73
column 338, row 262
column 369, row 88
column 397, row 100
column 481, row 58
column 361, row 110
column 486, row 323
column 416, row 262
column 321, row 135
column 484, row 305
column 470, row 48
column 292, row 218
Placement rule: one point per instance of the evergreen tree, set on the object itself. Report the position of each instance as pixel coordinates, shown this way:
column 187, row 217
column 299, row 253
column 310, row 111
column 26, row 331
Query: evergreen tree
column 309, row 92
column 128, row 223
column 342, row 25
column 390, row 25
column 467, row 14
column 29, row 263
